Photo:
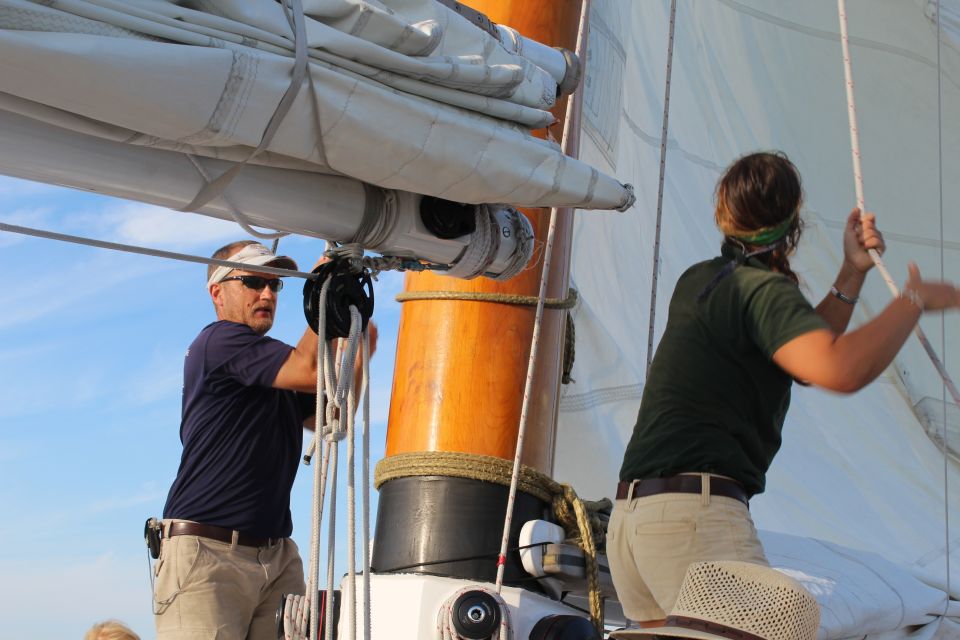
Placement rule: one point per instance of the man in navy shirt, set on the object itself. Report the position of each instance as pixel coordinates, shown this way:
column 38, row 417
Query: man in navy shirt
column 226, row 555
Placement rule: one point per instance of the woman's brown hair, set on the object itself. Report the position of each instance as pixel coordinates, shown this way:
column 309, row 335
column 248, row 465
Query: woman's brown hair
column 756, row 192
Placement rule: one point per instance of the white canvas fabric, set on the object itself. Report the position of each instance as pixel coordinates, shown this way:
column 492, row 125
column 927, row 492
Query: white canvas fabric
column 440, row 100
column 861, row 470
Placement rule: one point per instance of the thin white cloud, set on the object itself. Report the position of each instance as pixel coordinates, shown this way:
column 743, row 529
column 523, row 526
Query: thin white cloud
column 45, row 294
column 151, row 493
column 28, row 352
column 159, row 379
column 22, row 217
column 16, row 188
column 144, row 224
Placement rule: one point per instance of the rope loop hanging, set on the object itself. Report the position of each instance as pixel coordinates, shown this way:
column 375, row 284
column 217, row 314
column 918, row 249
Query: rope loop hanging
column 336, row 404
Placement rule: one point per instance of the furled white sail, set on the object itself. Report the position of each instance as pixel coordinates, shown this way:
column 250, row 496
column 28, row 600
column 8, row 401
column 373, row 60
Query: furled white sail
column 409, row 96
column 862, row 471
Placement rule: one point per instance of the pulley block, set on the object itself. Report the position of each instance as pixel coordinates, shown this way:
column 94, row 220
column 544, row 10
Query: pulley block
column 347, row 288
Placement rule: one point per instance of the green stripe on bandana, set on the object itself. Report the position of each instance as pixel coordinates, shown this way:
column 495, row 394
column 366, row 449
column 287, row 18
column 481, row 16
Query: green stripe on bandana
column 768, row 235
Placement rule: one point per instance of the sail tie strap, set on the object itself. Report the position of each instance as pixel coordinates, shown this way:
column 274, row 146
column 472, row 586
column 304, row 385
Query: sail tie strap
column 216, row 187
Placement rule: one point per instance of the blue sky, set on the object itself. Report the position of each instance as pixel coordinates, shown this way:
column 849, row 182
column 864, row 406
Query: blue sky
column 91, row 350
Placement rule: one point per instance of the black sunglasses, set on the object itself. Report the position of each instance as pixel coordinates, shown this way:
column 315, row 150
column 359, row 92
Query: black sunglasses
column 257, row 283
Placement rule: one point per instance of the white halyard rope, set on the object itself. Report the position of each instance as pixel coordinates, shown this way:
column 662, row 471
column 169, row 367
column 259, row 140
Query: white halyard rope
column 948, row 384
column 365, row 425
column 538, row 321
column 335, row 381
column 858, row 180
column 663, row 172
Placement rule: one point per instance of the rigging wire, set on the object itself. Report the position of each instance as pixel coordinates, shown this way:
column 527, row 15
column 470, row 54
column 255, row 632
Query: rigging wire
column 943, row 317
column 663, row 171
column 157, row 253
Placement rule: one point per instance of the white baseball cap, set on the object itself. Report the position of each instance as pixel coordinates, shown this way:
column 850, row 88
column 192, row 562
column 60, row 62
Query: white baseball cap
column 255, row 255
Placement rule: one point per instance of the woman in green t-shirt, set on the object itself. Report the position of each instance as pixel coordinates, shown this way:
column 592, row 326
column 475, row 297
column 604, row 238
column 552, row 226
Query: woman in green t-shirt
column 739, row 332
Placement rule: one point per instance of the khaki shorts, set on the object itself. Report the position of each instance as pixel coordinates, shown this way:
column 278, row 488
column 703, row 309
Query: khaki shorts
column 652, row 540
column 206, row 589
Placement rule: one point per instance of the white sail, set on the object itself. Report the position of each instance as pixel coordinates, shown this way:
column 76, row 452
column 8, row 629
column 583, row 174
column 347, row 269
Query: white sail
column 865, row 472
column 861, row 471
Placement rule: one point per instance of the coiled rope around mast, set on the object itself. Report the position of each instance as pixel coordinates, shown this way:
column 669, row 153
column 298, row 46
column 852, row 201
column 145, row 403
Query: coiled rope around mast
column 580, row 525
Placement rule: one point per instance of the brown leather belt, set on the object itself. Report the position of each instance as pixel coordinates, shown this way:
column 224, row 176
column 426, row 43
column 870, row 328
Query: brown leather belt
column 215, row 533
column 682, row 484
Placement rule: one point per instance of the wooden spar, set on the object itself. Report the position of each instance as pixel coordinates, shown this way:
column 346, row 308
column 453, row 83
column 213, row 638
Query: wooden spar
column 461, row 366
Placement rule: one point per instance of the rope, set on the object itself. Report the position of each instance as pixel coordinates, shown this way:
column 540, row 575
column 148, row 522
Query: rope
column 239, row 217
column 335, row 380
column 498, row 298
column 320, row 471
column 365, row 393
column 858, row 180
column 446, row 617
column 481, row 251
column 663, row 173
column 567, row 140
column 353, row 253
column 581, row 525
column 569, row 336
column 157, row 253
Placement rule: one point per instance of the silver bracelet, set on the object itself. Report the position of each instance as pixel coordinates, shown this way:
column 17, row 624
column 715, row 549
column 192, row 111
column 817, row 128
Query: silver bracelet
column 841, row 296
column 913, row 297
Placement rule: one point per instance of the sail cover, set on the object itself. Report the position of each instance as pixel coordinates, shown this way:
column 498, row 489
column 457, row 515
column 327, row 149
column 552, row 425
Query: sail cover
column 865, row 471
column 405, row 95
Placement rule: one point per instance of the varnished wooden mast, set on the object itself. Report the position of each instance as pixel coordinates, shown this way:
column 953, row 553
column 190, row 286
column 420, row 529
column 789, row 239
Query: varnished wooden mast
column 461, row 366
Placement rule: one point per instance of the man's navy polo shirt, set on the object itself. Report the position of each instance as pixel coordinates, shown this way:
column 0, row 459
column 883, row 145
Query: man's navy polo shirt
column 241, row 438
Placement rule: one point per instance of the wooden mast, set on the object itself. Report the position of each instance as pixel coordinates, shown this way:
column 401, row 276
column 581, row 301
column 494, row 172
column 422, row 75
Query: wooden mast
column 461, row 366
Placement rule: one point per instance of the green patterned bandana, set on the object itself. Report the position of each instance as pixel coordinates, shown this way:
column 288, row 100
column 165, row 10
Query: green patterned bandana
column 768, row 235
